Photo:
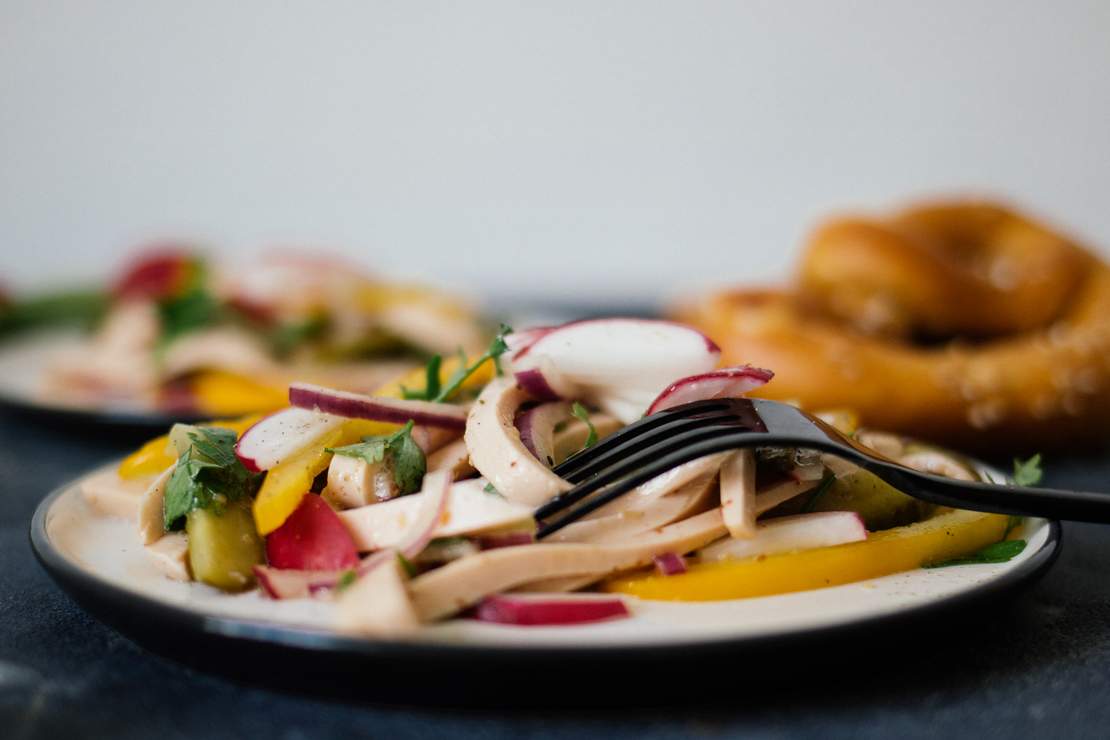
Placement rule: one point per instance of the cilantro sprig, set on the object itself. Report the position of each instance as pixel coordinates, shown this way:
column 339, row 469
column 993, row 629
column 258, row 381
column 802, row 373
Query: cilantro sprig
column 1028, row 472
column 579, row 412
column 999, row 552
column 207, row 475
column 398, row 450
column 433, row 391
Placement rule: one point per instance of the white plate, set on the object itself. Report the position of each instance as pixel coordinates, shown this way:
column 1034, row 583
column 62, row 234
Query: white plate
column 100, row 560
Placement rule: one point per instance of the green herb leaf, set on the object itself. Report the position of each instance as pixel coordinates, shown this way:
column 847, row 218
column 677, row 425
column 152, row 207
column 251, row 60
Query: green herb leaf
column 195, row 309
column 818, row 492
column 492, row 491
column 399, row 450
column 80, row 308
column 285, row 338
column 497, row 348
column 207, row 476
column 999, row 552
column 346, row 579
column 410, row 570
column 431, row 382
column 1028, row 473
column 579, row 411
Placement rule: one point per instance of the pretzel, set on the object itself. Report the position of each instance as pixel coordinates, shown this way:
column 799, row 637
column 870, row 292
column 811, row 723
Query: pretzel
column 964, row 323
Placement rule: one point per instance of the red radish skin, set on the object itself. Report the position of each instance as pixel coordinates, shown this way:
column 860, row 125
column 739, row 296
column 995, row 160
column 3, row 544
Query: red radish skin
column 669, row 564
column 294, row 584
column 727, row 382
column 312, row 538
column 359, row 406
column 535, row 384
column 537, row 612
column 158, row 272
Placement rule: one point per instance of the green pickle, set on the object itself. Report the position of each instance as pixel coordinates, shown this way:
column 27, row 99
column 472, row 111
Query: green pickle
column 879, row 504
column 224, row 546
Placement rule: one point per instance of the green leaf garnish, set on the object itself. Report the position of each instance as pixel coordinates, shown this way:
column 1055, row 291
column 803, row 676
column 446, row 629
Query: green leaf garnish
column 497, row 348
column 492, row 491
column 78, row 308
column 579, row 412
column 398, row 450
column 285, row 338
column 208, row 475
column 999, row 552
column 346, row 579
column 431, row 382
column 410, row 569
column 818, row 492
column 1028, row 473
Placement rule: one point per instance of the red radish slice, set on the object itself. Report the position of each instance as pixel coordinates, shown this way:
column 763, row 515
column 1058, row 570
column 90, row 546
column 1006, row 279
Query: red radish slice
column 294, row 584
column 536, row 425
column 280, row 436
column 619, row 364
column 544, row 384
column 497, row 451
column 670, row 564
column 359, row 406
column 522, row 338
column 727, row 382
column 533, row 612
column 783, row 534
column 159, row 272
column 312, row 538
column 419, row 533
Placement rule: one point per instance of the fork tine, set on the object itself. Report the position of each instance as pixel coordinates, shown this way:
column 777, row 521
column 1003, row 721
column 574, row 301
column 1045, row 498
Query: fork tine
column 632, row 444
column 635, row 429
column 683, row 453
column 624, row 465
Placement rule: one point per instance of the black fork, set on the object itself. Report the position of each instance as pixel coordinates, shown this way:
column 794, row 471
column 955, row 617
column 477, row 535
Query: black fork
column 667, row 439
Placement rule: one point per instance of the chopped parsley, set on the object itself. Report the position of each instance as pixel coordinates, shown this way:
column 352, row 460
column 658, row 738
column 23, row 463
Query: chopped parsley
column 1028, row 472
column 285, row 338
column 999, row 552
column 579, row 411
column 818, row 492
column 433, row 391
column 398, row 450
column 488, row 488
column 207, row 475
column 346, row 579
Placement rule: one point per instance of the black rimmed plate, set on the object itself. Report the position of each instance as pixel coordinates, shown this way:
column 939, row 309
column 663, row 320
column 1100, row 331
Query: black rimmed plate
column 100, row 563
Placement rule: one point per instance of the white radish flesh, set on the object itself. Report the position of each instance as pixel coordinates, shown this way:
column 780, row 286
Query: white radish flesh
column 280, row 436
column 726, row 382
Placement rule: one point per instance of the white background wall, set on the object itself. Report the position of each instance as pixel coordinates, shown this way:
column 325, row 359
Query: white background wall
column 557, row 149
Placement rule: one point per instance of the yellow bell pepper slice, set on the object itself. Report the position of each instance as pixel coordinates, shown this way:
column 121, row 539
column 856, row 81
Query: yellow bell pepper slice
column 287, row 483
column 154, row 456
column 221, row 393
column 944, row 536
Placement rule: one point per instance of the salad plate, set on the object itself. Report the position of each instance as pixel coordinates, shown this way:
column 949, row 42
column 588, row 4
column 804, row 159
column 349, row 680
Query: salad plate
column 432, row 518
column 106, row 573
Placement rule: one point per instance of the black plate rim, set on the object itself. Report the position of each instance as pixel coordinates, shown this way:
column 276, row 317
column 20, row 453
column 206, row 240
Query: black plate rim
column 112, row 599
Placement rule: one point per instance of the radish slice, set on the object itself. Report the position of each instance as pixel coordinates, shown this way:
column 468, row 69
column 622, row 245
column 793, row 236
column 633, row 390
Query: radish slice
column 312, row 538
column 419, row 534
column 670, row 564
column 280, row 436
column 521, row 338
column 618, row 364
column 544, row 383
column 378, row 603
column 294, row 584
column 727, row 382
column 532, row 611
column 359, row 406
column 738, row 493
column 783, row 534
column 536, row 425
column 497, row 452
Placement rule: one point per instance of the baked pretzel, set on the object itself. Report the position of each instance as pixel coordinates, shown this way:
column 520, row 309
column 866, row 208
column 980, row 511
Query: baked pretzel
column 964, row 323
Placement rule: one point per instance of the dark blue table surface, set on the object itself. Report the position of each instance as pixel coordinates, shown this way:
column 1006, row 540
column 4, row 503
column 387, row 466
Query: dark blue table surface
column 1035, row 666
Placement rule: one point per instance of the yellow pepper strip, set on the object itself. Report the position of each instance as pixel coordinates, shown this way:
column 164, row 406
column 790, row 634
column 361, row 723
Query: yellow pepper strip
column 220, row 393
column 944, row 536
column 154, row 456
column 287, row 483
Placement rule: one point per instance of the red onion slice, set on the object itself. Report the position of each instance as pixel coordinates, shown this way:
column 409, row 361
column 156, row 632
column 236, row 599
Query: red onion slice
column 533, row 612
column 536, row 425
column 727, row 382
column 359, row 406
column 419, row 534
column 512, row 539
